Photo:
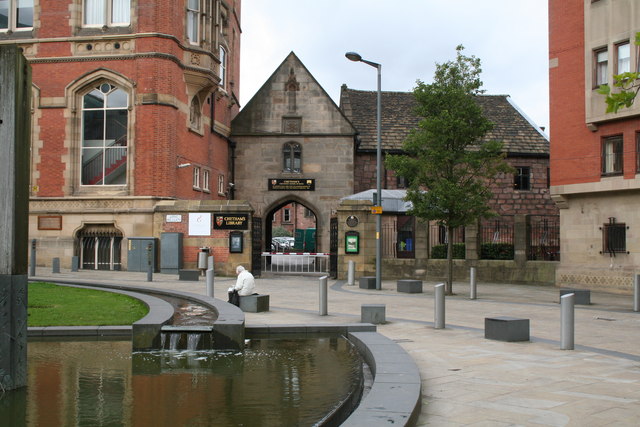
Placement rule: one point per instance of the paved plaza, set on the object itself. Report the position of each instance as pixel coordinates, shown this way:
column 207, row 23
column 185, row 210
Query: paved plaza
column 468, row 380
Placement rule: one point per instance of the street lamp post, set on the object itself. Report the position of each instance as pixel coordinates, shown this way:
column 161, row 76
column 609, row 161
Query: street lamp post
column 353, row 56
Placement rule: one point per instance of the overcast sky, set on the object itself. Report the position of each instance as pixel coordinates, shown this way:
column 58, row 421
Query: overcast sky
column 408, row 37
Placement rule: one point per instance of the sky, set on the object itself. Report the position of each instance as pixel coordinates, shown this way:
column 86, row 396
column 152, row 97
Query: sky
column 408, row 37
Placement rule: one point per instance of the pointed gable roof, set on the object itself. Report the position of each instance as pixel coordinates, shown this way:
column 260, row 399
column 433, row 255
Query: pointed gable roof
column 511, row 126
column 291, row 93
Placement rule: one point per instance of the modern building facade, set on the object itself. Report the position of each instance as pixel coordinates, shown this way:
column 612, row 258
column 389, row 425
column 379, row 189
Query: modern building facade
column 594, row 154
column 132, row 105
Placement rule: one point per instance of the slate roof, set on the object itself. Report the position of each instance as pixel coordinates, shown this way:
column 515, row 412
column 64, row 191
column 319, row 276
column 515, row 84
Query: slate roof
column 511, row 126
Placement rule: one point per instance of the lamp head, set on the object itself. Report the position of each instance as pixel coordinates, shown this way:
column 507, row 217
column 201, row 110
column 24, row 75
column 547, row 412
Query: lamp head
column 353, row 56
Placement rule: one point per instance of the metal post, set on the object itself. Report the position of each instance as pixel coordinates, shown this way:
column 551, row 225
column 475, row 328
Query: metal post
column 210, row 282
column 472, row 284
column 32, row 263
column 351, row 273
column 210, row 262
column 379, row 182
column 439, row 306
column 567, row 321
column 636, row 292
column 323, row 296
column 149, row 264
column 55, row 265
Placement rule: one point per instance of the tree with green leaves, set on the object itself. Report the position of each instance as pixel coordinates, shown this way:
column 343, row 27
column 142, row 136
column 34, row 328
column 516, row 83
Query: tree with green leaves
column 447, row 162
column 627, row 84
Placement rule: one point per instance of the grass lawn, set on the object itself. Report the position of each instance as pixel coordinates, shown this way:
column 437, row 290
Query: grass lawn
column 53, row 305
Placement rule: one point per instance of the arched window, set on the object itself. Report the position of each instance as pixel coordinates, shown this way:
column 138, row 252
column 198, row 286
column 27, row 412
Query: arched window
column 292, row 157
column 105, row 117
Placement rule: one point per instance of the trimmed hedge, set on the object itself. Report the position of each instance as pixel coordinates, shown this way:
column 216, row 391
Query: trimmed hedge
column 440, row 251
column 496, row 251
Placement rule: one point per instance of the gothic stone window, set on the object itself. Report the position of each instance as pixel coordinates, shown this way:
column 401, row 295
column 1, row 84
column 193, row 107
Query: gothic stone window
column 104, row 136
column 292, row 157
column 16, row 15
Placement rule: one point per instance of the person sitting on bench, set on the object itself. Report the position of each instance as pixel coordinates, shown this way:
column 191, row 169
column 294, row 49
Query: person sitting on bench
column 245, row 285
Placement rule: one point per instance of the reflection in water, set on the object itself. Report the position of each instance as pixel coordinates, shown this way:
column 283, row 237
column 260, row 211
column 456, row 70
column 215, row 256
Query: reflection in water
column 100, row 383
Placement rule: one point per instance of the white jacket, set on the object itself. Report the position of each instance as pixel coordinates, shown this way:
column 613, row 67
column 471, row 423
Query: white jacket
column 245, row 283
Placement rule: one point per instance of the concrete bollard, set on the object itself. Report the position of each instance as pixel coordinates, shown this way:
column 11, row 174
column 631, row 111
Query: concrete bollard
column 210, row 282
column 439, row 306
column 351, row 273
column 636, row 292
column 75, row 263
column 472, row 283
column 567, row 310
column 323, row 296
column 32, row 262
column 55, row 265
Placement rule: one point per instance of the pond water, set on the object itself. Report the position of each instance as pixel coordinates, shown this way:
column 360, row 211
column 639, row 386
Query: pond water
column 101, row 383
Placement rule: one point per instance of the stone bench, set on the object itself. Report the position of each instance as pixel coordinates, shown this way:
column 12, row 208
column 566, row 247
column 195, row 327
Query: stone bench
column 409, row 286
column 191, row 275
column 255, row 303
column 504, row 328
column 367, row 282
column 582, row 296
column 373, row 313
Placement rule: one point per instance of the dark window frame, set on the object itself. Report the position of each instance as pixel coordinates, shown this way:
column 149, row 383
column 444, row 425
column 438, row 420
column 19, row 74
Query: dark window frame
column 292, row 157
column 522, row 178
column 615, row 167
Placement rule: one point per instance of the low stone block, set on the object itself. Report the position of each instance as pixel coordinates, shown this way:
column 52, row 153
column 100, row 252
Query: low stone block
column 254, row 303
column 504, row 328
column 410, row 286
column 582, row 296
column 192, row 275
column 367, row 282
column 373, row 313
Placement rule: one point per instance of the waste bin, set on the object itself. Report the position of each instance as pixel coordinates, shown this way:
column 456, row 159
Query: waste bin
column 203, row 256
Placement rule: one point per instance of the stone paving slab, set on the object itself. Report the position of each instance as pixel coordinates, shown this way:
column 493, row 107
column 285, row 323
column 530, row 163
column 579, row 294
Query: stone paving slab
column 466, row 379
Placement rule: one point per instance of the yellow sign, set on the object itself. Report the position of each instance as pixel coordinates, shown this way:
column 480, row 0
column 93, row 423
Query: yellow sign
column 376, row 210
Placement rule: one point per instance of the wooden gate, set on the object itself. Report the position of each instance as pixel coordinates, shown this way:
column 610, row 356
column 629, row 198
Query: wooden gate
column 256, row 246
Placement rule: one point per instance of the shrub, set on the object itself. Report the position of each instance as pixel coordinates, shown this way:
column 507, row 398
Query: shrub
column 496, row 251
column 440, row 251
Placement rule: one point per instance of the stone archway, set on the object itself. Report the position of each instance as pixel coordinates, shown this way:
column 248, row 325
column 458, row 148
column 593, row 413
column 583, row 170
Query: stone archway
column 287, row 217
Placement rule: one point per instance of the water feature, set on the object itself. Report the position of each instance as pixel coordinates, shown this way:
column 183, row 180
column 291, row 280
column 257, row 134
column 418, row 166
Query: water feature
column 271, row 383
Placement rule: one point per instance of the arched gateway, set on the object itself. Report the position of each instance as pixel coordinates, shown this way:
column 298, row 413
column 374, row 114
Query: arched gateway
column 294, row 150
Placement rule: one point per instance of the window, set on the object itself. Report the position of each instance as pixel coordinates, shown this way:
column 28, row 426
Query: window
column 614, row 237
column 195, row 114
column 308, row 213
column 286, row 215
column 104, row 136
column 612, row 155
column 221, row 185
column 223, row 67
column 193, row 21
column 522, row 178
column 109, row 13
column 601, row 58
column 16, row 15
column 196, row 177
column 623, row 52
column 292, row 157
column 205, row 180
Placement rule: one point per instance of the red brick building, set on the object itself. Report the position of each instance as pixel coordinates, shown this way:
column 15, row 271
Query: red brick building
column 594, row 155
column 132, row 105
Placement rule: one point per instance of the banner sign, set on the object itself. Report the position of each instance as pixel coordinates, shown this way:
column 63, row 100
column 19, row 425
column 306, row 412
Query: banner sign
column 286, row 184
column 231, row 221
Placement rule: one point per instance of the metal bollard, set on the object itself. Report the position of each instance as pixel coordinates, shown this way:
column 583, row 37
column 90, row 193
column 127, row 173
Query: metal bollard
column 636, row 292
column 55, row 265
column 567, row 321
column 32, row 264
column 210, row 282
column 439, row 306
column 323, row 296
column 351, row 273
column 149, row 264
column 210, row 262
column 472, row 283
